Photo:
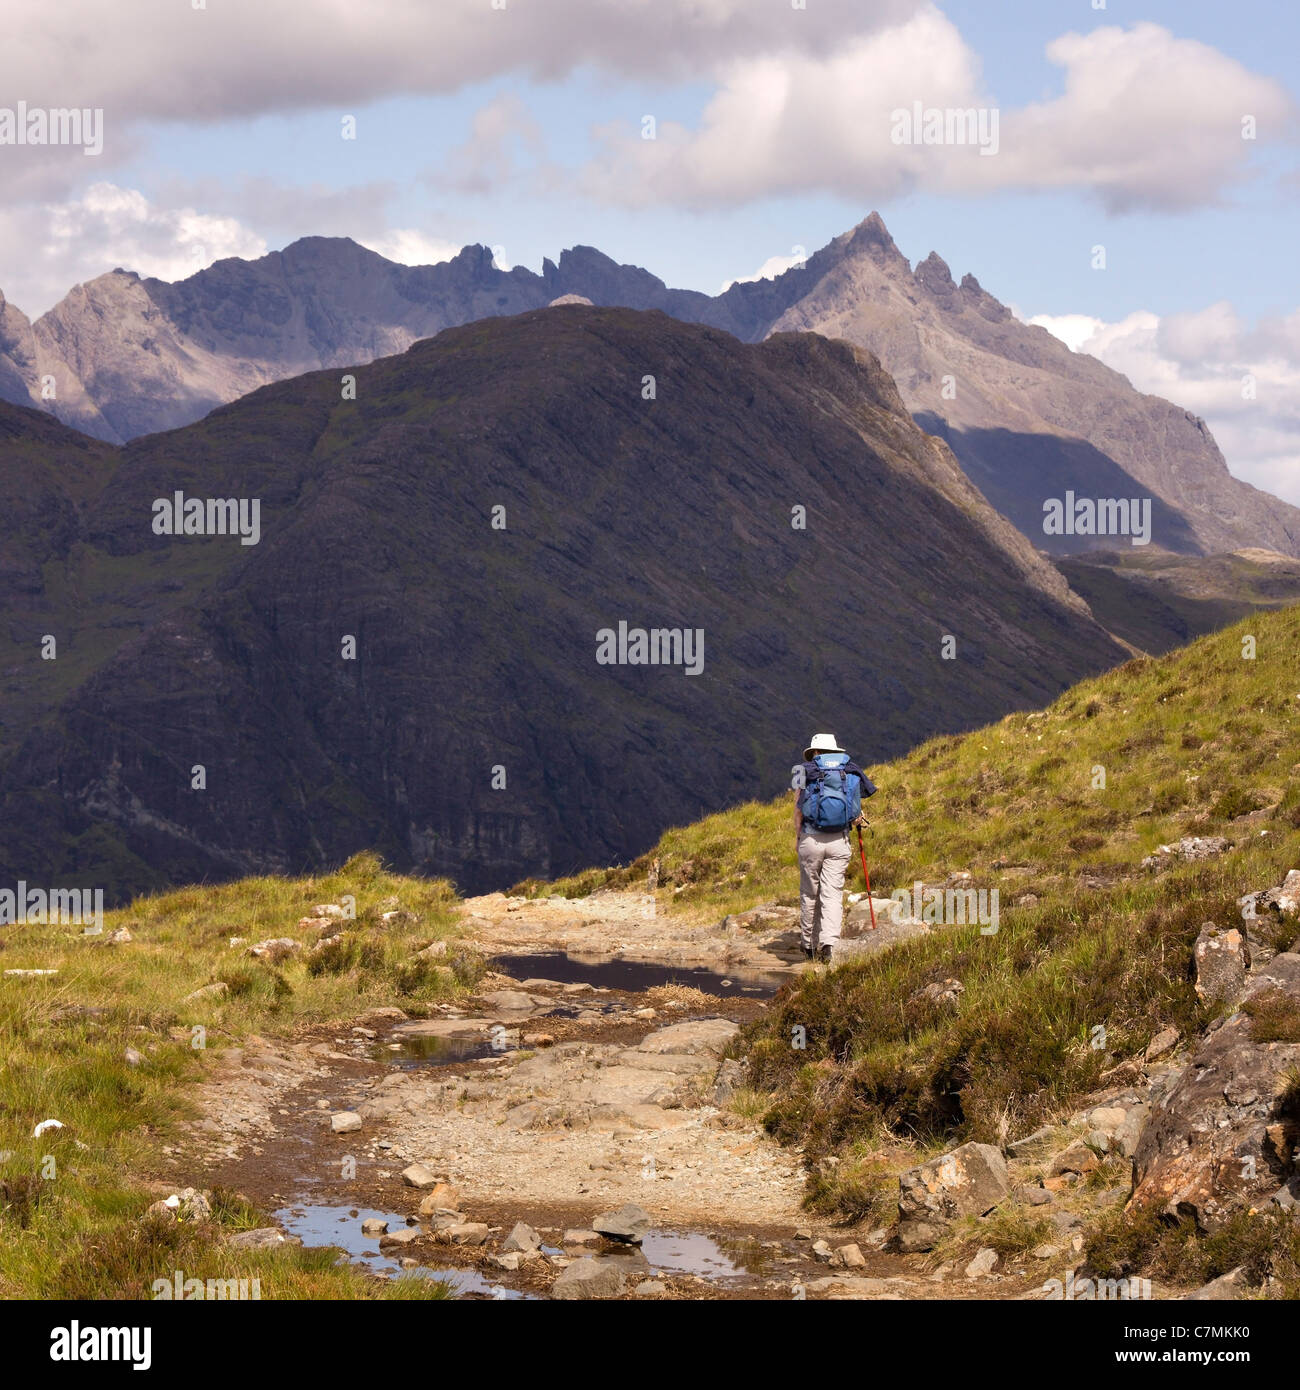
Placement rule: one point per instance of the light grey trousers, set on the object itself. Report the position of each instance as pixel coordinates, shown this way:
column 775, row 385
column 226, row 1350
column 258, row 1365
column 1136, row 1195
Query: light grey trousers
column 823, row 860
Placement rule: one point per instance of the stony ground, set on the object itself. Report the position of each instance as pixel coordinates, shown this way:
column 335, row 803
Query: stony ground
column 548, row 1101
column 581, row 1099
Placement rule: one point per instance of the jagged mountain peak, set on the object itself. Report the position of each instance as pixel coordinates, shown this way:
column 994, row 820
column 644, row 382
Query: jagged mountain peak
column 1029, row 419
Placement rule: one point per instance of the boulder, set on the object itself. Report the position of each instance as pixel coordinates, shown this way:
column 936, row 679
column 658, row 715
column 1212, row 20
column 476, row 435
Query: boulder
column 849, row 1257
column 982, row 1265
column 263, row 1238
column 1125, row 1137
column 730, row 1077
column 510, row 1001
column 417, row 1175
column 192, row 1205
column 1079, row 1157
column 345, row 1122
column 442, row 1196
column 1188, row 849
column 522, row 1238
column 969, row 1181
column 1286, row 899
column 943, row 993
column 466, row 1233
column 1220, row 958
column 275, row 949
column 628, row 1224
column 588, row 1278
column 1282, row 901
column 219, row 990
column 707, row 1036
column 1216, row 1142
column 1226, row 1286
column 403, row 1237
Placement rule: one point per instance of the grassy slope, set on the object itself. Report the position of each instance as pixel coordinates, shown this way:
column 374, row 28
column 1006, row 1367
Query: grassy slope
column 75, row 1234
column 1189, row 742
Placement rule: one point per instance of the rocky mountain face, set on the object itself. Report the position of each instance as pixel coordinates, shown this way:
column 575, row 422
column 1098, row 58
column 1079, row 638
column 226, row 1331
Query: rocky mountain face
column 408, row 658
column 1028, row 419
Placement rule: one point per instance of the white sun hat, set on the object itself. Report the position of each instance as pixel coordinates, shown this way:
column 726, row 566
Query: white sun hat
column 821, row 743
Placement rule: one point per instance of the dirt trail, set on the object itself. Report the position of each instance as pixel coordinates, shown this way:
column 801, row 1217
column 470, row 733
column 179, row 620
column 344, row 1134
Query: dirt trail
column 549, row 1098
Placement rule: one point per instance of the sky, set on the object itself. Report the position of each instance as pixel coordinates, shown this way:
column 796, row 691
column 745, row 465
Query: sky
column 1164, row 134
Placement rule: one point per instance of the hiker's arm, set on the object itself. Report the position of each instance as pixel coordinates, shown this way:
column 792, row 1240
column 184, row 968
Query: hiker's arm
column 798, row 813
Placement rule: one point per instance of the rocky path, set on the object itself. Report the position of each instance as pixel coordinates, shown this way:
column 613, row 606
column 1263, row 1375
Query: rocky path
column 574, row 1129
column 547, row 1098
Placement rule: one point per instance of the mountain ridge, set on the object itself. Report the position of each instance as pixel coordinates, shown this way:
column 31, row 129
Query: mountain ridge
column 1028, row 418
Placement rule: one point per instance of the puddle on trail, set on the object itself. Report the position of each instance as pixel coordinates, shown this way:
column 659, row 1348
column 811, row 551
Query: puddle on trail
column 693, row 1252
column 341, row 1226
column 634, row 976
column 421, row 1050
column 682, row 1252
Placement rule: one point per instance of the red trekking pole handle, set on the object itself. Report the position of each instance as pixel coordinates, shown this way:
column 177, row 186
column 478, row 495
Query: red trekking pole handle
column 867, row 878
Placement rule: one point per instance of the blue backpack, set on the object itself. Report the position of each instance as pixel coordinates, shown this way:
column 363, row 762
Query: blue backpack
column 832, row 799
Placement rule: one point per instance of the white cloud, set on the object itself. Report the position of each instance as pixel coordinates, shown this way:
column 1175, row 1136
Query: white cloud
column 769, row 270
column 165, row 59
column 488, row 158
column 51, row 247
column 1072, row 329
column 1243, row 380
column 1145, row 119
column 409, row 246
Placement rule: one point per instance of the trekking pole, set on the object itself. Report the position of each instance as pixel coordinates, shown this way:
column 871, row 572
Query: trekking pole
column 867, row 877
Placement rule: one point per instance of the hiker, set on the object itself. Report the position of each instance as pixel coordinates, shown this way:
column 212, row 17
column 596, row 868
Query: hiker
column 829, row 791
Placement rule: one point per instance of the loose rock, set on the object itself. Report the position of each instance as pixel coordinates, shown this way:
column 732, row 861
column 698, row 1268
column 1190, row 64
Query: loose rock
column 628, row 1224
column 588, row 1278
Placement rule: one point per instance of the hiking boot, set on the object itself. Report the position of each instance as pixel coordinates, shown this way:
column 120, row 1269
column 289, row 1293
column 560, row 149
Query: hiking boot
column 809, row 953
column 824, row 955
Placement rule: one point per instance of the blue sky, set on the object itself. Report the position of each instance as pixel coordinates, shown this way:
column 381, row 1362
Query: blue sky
column 519, row 129
column 1031, row 248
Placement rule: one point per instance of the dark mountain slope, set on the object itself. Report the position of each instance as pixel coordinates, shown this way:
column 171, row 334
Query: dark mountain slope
column 476, row 648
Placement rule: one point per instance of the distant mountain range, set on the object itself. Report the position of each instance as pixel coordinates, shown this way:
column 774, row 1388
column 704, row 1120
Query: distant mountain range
column 393, row 649
column 1028, row 419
